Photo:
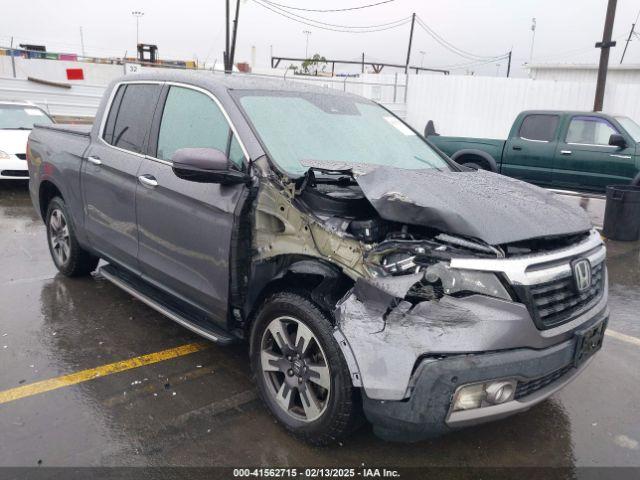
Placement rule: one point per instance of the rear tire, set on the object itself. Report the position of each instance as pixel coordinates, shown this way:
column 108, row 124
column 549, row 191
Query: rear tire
column 300, row 371
column 68, row 256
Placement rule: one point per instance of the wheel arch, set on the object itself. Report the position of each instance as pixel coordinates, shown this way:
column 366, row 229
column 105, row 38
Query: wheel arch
column 47, row 191
column 478, row 154
column 325, row 282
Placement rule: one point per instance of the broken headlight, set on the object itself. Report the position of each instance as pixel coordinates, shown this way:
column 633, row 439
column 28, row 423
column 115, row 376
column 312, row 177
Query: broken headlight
column 455, row 281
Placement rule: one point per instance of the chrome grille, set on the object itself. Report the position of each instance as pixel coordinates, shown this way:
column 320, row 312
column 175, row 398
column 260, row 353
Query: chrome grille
column 556, row 302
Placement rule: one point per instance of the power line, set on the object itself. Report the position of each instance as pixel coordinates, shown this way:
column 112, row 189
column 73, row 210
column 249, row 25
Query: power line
column 448, row 45
column 328, row 26
column 328, row 10
column 333, row 24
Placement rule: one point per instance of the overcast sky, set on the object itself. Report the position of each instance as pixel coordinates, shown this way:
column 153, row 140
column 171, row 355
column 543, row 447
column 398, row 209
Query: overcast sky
column 566, row 29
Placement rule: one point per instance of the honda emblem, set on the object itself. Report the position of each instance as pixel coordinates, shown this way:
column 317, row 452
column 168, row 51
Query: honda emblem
column 582, row 274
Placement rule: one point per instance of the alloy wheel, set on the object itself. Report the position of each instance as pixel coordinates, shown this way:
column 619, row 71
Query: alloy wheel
column 295, row 369
column 59, row 237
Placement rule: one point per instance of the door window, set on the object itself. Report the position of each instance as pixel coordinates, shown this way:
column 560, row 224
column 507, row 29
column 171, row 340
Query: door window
column 590, row 130
column 130, row 116
column 539, row 127
column 192, row 119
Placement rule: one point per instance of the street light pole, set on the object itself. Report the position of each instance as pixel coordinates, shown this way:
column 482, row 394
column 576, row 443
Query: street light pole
column 137, row 14
column 422, row 52
column 533, row 38
column 306, row 48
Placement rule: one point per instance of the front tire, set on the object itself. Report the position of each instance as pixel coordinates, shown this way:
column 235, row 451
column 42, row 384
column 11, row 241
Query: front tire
column 300, row 371
column 68, row 256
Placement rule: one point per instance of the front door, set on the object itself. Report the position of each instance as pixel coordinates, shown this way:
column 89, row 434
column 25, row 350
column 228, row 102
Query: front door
column 584, row 160
column 185, row 227
column 109, row 173
column 528, row 155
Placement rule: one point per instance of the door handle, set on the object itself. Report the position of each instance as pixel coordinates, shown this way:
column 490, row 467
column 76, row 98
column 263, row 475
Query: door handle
column 148, row 181
column 517, row 147
column 94, row 160
column 565, row 152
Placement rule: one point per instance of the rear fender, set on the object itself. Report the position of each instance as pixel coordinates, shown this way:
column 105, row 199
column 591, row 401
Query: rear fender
column 493, row 166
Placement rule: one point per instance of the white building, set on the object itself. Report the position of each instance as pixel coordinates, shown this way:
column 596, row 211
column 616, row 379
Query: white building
column 587, row 73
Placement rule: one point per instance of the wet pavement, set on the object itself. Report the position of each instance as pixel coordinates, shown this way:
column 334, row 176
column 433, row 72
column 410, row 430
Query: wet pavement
column 201, row 409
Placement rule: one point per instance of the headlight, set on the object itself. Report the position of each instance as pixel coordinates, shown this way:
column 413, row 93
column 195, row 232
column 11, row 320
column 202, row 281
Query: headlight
column 4, row 155
column 454, row 280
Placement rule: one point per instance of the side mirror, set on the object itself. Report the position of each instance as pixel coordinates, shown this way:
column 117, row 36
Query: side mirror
column 206, row 165
column 617, row 140
column 430, row 129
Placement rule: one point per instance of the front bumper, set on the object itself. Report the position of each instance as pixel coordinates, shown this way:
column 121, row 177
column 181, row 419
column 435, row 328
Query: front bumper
column 427, row 412
column 14, row 168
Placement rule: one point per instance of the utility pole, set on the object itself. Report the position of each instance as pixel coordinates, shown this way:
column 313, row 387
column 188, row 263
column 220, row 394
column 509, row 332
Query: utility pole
column 235, row 35
column 225, row 55
column 533, row 38
column 82, row 42
column 137, row 14
column 230, row 42
column 362, row 62
column 422, row 52
column 509, row 64
column 413, row 22
column 306, row 45
column 605, row 47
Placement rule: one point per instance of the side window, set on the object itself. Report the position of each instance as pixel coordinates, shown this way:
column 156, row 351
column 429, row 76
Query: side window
column 113, row 113
column 192, row 119
column 539, row 127
column 590, row 130
column 133, row 116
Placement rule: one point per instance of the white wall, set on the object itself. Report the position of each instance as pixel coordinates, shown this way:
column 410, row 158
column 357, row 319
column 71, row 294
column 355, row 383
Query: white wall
column 616, row 74
column 487, row 106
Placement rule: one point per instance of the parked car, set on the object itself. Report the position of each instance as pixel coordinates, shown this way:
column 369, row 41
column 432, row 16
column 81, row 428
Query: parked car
column 581, row 151
column 16, row 121
column 365, row 269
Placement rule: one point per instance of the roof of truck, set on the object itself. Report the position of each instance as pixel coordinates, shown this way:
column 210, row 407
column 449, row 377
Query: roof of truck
column 216, row 80
column 566, row 112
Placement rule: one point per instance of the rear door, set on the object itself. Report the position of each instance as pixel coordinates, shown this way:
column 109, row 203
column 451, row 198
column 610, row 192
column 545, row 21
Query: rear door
column 528, row 153
column 109, row 173
column 584, row 159
column 185, row 227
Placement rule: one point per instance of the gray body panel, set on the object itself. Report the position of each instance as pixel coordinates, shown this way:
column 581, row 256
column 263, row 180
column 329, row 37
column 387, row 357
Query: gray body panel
column 185, row 235
column 109, row 192
column 477, row 204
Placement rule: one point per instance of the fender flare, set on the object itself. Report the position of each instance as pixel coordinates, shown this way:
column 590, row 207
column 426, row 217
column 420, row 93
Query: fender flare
column 478, row 153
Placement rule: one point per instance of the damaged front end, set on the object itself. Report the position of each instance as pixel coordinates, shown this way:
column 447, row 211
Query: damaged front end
column 420, row 311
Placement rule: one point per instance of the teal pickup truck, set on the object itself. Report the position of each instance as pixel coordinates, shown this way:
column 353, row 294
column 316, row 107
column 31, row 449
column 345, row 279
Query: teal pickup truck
column 556, row 149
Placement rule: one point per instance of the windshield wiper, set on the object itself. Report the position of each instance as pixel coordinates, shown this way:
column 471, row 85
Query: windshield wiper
column 17, row 128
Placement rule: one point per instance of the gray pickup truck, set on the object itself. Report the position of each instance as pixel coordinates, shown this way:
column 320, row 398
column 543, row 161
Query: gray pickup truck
column 367, row 271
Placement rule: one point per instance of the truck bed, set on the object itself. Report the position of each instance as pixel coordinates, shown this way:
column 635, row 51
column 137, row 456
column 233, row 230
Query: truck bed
column 74, row 129
column 451, row 145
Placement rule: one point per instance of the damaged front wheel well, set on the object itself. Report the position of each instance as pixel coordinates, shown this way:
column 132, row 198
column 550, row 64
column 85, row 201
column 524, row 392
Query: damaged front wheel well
column 323, row 283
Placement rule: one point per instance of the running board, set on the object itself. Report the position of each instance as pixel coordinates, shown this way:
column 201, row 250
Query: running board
column 148, row 295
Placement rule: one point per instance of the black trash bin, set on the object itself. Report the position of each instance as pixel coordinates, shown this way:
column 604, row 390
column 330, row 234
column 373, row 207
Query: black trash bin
column 622, row 213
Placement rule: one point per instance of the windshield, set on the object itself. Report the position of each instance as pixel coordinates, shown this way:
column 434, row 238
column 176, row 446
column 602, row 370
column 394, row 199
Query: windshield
column 21, row 117
column 296, row 127
column 631, row 127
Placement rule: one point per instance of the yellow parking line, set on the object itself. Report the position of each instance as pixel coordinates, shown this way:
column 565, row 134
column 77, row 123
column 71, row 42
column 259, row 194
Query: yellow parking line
column 101, row 371
column 625, row 338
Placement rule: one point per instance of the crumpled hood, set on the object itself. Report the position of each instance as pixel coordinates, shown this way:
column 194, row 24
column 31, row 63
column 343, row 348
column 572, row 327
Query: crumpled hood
column 478, row 204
